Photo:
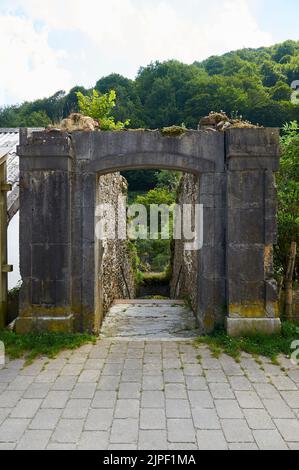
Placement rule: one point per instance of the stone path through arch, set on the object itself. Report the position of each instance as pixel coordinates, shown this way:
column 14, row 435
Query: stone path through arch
column 149, row 319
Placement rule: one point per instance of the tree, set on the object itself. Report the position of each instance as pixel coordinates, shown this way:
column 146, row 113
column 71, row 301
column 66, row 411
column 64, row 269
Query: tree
column 288, row 195
column 99, row 107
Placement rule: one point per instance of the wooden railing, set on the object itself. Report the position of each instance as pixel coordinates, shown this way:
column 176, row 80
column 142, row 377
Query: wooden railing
column 4, row 267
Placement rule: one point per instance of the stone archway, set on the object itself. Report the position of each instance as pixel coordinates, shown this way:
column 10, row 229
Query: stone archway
column 58, row 177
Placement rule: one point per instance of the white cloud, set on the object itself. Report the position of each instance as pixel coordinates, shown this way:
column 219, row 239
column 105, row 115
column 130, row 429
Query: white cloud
column 29, row 67
column 128, row 33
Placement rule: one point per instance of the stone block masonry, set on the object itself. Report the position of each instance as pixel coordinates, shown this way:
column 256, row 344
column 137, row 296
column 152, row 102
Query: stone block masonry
column 59, row 177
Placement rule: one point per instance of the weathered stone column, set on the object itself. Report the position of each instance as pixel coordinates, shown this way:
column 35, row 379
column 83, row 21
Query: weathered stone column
column 45, row 232
column 211, row 262
column 252, row 157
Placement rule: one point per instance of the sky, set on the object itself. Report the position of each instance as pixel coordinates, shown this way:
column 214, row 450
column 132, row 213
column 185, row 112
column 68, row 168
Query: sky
column 52, row 45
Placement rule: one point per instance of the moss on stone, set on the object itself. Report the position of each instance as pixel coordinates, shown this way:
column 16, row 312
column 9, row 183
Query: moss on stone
column 173, row 131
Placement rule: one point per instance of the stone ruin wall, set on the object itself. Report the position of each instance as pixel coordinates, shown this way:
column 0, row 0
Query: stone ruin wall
column 114, row 255
column 184, row 281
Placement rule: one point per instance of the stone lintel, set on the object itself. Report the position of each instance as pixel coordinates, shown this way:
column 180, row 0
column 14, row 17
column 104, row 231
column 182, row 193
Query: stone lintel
column 250, row 326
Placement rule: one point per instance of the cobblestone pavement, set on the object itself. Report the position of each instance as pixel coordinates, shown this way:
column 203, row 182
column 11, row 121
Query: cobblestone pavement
column 127, row 393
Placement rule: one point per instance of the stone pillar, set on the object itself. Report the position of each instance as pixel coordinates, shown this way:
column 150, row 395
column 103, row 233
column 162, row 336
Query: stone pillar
column 252, row 155
column 45, row 232
column 211, row 258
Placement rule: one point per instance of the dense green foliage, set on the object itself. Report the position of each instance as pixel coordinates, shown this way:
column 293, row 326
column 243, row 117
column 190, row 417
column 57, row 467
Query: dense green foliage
column 264, row 345
column 288, row 195
column 99, row 107
column 254, row 83
column 154, row 254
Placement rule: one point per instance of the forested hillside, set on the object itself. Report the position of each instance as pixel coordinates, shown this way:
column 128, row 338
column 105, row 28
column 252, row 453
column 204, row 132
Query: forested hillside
column 254, row 83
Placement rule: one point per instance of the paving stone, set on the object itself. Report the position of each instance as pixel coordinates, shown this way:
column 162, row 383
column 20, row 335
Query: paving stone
column 152, row 382
column 153, row 399
column 210, row 363
column 46, row 419
column 176, row 408
column 71, row 369
column 151, row 369
column 200, row 399
column 56, row 399
column 221, row 390
column 216, row 376
column 292, row 398
column 292, row 445
column 130, row 375
column 173, row 376
column 46, row 377
column 288, row 428
column 236, row 430
column 3, row 386
column 242, row 446
column 228, row 409
column 181, row 430
column 127, row 408
column 112, row 369
column 21, row 382
column 76, row 408
column 89, row 376
column 294, row 375
column 196, row 383
column 205, row 419
column 266, row 391
column 34, row 440
column 93, row 440
column 258, row 419
column 64, row 383
column 152, row 440
column 211, row 440
column 175, row 391
column 153, row 418
column 182, row 446
column 124, row 431
column 9, row 399
column 269, row 440
column 277, row 408
column 26, row 408
column 84, row 390
column 37, row 390
column 192, row 369
column 240, row 383
column 7, row 445
column 104, row 399
column 55, row 364
column 94, row 364
column 61, row 446
column 129, row 390
column 249, row 399
column 12, row 429
column 99, row 419
column 4, row 412
column 284, row 383
column 68, row 430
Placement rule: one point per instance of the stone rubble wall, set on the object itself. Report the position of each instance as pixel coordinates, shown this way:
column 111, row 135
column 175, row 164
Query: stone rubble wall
column 184, row 282
column 114, row 265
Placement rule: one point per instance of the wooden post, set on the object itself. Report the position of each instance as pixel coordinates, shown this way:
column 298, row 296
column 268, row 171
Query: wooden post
column 4, row 267
column 289, row 282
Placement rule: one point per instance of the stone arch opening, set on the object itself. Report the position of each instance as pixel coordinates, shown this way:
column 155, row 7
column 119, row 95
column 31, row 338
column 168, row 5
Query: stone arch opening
column 58, row 183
